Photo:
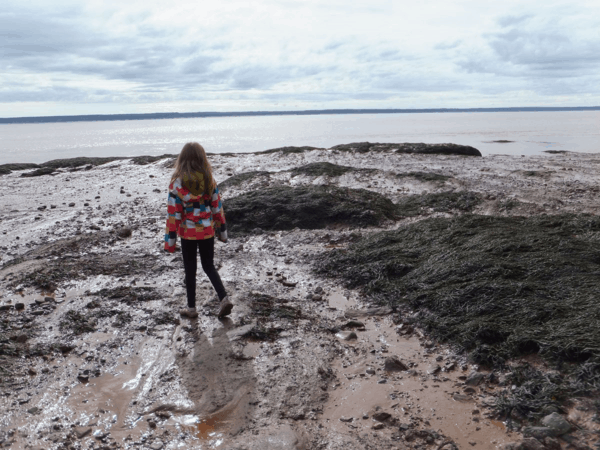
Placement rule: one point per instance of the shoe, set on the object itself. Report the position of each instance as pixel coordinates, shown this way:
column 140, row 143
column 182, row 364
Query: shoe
column 224, row 308
column 189, row 312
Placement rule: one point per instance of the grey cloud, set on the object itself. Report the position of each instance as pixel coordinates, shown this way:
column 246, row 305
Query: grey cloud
column 507, row 21
column 539, row 54
column 447, row 45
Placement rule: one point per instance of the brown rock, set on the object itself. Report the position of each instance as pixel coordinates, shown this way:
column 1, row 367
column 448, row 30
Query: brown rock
column 393, row 364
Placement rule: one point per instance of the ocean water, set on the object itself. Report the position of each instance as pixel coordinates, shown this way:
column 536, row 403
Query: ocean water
column 531, row 133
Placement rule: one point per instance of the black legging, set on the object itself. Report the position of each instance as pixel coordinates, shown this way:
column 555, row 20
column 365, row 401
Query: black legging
column 206, row 247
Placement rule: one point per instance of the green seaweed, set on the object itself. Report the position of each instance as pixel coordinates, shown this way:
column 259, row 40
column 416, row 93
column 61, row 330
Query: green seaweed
column 319, row 169
column 497, row 286
column 307, row 207
column 242, row 178
column 424, row 176
column 288, row 150
column 420, row 204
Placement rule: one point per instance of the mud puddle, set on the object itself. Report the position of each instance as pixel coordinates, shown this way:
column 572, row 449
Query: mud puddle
column 428, row 395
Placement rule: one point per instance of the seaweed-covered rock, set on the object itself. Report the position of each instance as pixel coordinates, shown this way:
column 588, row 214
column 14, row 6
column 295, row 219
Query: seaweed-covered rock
column 5, row 169
column 39, row 172
column 307, row 207
column 146, row 159
column 499, row 286
column 288, row 150
column 426, row 149
column 78, row 162
column 319, row 169
column 243, row 179
column 415, row 205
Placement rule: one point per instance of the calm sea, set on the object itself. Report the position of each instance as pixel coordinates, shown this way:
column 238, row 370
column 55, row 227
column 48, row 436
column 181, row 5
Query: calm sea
column 532, row 133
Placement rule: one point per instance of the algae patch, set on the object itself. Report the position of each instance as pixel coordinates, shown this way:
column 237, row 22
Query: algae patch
column 415, row 205
column 497, row 286
column 307, row 207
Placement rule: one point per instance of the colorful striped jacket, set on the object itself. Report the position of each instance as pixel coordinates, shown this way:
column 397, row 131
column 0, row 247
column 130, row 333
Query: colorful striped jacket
column 193, row 217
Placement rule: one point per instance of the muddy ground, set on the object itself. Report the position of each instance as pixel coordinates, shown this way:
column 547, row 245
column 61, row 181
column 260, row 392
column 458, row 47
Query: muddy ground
column 93, row 352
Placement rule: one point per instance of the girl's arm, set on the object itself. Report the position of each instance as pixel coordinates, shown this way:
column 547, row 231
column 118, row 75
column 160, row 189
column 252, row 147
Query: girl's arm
column 174, row 214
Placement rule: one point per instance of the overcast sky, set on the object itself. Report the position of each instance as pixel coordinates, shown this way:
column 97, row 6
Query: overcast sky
column 103, row 56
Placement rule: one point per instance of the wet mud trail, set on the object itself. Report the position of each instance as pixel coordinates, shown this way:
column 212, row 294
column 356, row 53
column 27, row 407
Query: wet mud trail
column 93, row 352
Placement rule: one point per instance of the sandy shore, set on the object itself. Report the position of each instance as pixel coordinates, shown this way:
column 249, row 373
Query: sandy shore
column 99, row 358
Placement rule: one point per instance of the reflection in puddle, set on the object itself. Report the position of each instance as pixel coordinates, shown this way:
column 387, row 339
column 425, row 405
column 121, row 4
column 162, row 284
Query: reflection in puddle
column 337, row 300
column 207, row 430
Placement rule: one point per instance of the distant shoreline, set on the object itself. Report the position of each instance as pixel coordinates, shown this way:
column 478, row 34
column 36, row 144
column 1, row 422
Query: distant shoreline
column 155, row 116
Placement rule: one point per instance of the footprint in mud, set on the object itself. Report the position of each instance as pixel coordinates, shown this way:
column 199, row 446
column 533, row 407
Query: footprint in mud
column 221, row 386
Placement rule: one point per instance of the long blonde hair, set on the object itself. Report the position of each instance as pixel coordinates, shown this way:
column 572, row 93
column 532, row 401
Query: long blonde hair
column 192, row 160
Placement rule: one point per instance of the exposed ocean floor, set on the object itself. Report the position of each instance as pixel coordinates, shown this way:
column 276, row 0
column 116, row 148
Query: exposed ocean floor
column 385, row 298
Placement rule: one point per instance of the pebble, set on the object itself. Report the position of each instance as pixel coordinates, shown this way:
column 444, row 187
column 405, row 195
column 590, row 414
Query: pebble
column 393, row 364
column 19, row 306
column 557, row 423
column 382, row 381
column 378, row 426
column 434, row 368
column 347, row 335
column 474, row 379
column 82, row 432
column 370, row 371
column 346, row 419
column 156, row 445
column 381, row 416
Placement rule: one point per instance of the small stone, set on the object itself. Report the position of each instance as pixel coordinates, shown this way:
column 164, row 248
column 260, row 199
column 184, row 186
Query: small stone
column 71, row 204
column 382, row 381
column 152, row 424
column 34, row 410
column 381, row 416
column 83, row 378
column 40, row 301
column 439, row 358
column 156, row 445
column 370, row 371
column 474, row 379
column 21, row 338
column 538, row 432
column 393, row 364
column 461, row 398
column 32, row 371
column 19, row 306
column 38, row 312
column 557, row 423
column 378, row 426
column 531, row 444
column 347, row 335
column 48, row 299
column 433, row 369
column 289, row 283
column 346, row 419
column 5, row 307
column 82, row 432
column 124, row 232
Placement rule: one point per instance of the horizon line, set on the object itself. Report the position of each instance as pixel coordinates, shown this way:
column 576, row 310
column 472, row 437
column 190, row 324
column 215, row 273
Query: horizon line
column 185, row 115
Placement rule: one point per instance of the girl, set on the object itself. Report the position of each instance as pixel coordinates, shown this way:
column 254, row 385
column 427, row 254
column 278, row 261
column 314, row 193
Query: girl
column 195, row 213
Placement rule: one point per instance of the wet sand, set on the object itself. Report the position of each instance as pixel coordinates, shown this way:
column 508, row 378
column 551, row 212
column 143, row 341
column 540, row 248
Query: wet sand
column 99, row 357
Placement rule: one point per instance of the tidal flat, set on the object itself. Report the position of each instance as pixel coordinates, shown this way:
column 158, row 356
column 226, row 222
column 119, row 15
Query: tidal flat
column 386, row 296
